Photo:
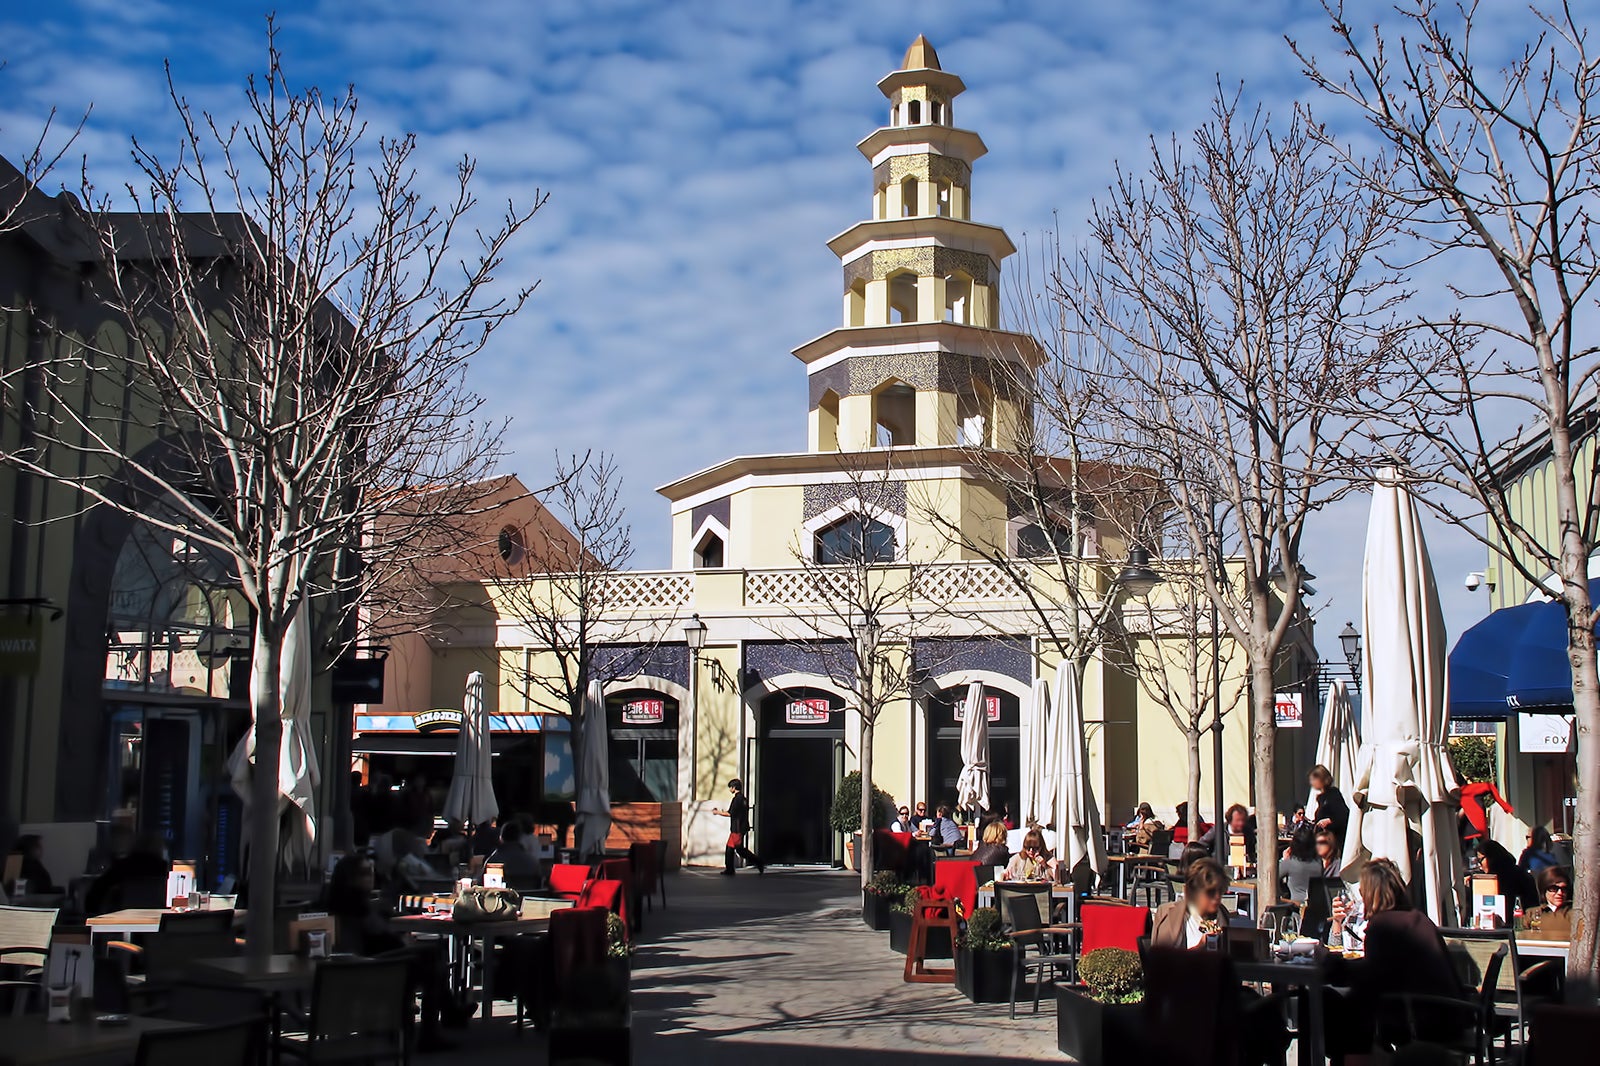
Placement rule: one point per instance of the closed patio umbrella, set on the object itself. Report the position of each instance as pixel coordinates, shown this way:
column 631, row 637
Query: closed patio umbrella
column 298, row 772
column 1338, row 742
column 1077, row 814
column 1403, row 781
column 594, row 773
column 1039, row 802
column 471, row 797
column 972, row 787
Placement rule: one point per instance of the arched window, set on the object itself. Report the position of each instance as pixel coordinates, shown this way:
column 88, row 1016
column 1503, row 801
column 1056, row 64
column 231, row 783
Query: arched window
column 708, row 554
column 938, row 116
column 974, row 410
column 914, row 112
column 908, row 198
column 958, row 299
column 942, row 200
column 856, row 539
column 903, row 296
column 894, row 415
column 828, row 422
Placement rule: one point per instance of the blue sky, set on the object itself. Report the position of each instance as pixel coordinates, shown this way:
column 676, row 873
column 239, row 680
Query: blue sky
column 697, row 156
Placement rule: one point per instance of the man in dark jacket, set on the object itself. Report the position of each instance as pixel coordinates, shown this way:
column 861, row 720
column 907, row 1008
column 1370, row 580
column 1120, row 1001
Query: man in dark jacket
column 738, row 816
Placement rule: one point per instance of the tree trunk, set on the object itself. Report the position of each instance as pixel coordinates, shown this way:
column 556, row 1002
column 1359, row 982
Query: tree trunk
column 1582, row 960
column 1191, row 737
column 266, row 705
column 864, row 852
column 1264, row 741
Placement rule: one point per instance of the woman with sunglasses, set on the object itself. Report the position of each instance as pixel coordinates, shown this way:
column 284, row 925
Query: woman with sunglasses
column 1553, row 916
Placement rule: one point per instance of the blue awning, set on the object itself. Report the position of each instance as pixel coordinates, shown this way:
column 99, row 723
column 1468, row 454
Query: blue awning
column 1514, row 660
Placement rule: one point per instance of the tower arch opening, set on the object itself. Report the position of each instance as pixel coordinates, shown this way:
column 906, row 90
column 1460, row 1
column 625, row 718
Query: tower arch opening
column 908, row 198
column 903, row 289
column 894, row 415
column 828, row 422
column 975, row 416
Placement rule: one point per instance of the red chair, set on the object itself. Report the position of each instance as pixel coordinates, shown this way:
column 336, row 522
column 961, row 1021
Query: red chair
column 567, row 879
column 602, row 893
column 1112, row 925
column 891, row 851
column 622, row 870
column 959, row 879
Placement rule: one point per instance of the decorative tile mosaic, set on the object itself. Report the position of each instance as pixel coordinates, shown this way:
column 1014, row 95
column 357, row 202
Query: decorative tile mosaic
column 826, row 658
column 925, row 261
column 669, row 662
column 924, row 371
column 884, row 495
column 1008, row 656
column 718, row 509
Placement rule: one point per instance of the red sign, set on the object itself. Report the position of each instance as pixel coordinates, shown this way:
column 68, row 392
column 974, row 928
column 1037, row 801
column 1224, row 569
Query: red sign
column 807, row 712
column 644, row 712
column 991, row 703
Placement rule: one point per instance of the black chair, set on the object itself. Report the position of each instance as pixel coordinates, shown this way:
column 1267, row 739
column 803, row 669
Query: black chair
column 1319, row 906
column 1030, row 931
column 360, row 1012
column 1464, row 1026
column 199, row 1045
column 1191, row 1007
column 196, row 922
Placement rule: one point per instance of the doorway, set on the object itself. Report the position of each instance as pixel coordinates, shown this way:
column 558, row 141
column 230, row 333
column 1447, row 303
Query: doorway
column 799, row 765
column 643, row 746
column 1005, row 748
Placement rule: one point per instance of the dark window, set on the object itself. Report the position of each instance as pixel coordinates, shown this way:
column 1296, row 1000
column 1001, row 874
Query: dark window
column 856, row 539
column 1033, row 542
column 709, row 555
column 914, row 112
column 511, row 545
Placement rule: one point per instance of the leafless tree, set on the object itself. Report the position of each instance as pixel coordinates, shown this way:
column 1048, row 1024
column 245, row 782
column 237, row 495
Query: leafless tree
column 38, row 160
column 862, row 609
column 301, row 319
column 1497, row 174
column 1229, row 282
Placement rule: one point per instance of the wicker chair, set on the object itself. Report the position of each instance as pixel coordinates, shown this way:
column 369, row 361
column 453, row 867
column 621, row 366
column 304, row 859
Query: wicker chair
column 24, row 948
column 1464, row 1025
column 1040, row 946
column 360, row 1010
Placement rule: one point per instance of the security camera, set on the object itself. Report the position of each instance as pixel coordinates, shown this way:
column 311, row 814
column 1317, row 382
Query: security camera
column 1474, row 579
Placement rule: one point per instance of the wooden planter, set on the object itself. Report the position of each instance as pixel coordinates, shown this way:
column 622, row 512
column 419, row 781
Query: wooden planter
column 875, row 911
column 900, row 937
column 985, row 976
column 1095, row 1033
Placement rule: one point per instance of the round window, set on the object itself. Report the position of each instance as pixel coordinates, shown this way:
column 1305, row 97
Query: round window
column 511, row 546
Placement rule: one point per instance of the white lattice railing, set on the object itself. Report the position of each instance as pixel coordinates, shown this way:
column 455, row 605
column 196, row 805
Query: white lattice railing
column 764, row 587
column 650, row 590
column 965, row 583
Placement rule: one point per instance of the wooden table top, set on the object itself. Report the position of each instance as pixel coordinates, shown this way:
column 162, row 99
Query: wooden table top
column 150, row 916
column 447, row 923
column 29, row 1040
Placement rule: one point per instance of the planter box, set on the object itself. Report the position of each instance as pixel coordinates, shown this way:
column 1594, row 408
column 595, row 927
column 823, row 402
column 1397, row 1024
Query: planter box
column 1095, row 1033
column 900, row 938
column 875, row 911
column 985, row 976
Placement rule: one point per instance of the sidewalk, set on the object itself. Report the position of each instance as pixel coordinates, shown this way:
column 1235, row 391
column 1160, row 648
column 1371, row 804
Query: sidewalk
column 778, row 969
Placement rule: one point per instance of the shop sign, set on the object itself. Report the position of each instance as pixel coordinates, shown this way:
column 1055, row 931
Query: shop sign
column 437, row 721
column 1544, row 733
column 644, row 712
column 807, row 712
column 19, row 644
column 1289, row 710
column 991, row 705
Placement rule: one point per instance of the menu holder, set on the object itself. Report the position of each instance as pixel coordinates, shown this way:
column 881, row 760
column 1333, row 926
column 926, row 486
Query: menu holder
column 494, row 875
column 313, row 934
column 180, row 884
column 71, row 963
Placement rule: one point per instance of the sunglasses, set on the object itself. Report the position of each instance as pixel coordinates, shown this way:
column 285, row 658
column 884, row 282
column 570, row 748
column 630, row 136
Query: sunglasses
column 1563, row 889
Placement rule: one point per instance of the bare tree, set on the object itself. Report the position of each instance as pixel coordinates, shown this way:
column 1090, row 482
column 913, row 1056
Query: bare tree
column 861, row 611
column 38, row 160
column 1228, row 283
column 1497, row 172
column 301, row 321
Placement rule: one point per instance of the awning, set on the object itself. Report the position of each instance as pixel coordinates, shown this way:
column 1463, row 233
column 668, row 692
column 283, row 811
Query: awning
column 1513, row 660
column 443, row 744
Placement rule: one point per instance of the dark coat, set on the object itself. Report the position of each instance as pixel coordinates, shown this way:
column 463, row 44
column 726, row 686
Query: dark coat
column 1331, row 805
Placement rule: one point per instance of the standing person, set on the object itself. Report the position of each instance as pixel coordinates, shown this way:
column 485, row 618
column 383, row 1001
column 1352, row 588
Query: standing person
column 1332, row 812
column 738, row 816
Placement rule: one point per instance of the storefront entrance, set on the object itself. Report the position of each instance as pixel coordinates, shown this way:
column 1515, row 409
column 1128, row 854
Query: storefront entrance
column 643, row 746
column 800, row 761
column 1005, row 748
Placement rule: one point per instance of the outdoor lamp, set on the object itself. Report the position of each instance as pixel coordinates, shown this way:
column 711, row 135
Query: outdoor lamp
column 1279, row 578
column 1137, row 577
column 694, row 633
column 1350, row 640
column 870, row 631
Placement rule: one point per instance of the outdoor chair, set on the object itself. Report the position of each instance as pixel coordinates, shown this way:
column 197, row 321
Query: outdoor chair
column 1111, row 924
column 1561, row 1035
column 621, row 871
column 360, row 1012
column 586, row 998
column 567, row 879
column 935, row 909
column 1513, row 997
column 165, row 960
column 606, row 894
column 1461, row 1025
column 646, row 873
column 1191, row 1007
column 196, row 922
column 215, row 1044
column 1318, row 912
column 24, row 948
column 1038, row 943
column 959, row 878
column 1005, row 892
column 1472, row 949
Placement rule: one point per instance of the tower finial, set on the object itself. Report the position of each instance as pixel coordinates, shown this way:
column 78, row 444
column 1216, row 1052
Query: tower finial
column 921, row 56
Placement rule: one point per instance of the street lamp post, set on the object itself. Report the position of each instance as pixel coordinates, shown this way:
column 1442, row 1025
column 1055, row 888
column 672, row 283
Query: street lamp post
column 694, row 635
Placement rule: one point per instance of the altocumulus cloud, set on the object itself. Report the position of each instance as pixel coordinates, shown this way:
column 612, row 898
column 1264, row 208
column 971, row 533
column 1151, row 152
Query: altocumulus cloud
column 698, row 155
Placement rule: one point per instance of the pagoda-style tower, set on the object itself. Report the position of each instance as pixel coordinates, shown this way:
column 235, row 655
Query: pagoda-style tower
column 920, row 360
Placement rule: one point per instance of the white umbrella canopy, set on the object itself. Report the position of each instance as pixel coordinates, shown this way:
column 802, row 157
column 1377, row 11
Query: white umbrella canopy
column 1077, row 813
column 471, row 797
column 1338, row 742
column 1039, row 801
column 594, row 773
column 298, row 772
column 1403, row 781
column 972, row 787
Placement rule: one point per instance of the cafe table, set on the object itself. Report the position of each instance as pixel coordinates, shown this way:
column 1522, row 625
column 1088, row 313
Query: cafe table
column 1059, row 894
column 272, row 978
column 1544, row 947
column 461, row 934
column 1311, row 976
column 137, row 920
column 30, row 1040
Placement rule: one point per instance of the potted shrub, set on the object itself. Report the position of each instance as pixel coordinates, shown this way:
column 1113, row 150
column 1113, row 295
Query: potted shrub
column 845, row 814
column 985, row 959
column 619, row 959
column 878, row 897
column 1098, row 1023
column 900, row 911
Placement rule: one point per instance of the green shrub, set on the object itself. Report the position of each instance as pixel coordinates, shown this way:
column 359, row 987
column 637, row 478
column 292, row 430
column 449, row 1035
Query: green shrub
column 885, row 883
column 910, row 897
column 845, row 814
column 616, row 938
column 1473, row 757
column 984, row 932
column 1113, row 975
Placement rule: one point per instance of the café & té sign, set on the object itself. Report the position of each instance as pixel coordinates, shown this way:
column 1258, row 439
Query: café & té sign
column 991, row 705
column 807, row 712
column 644, row 712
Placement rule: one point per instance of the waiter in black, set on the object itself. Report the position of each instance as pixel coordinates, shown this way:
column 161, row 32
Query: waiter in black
column 738, row 816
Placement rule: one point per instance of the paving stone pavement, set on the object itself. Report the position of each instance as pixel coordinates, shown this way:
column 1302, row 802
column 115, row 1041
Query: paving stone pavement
column 779, row 969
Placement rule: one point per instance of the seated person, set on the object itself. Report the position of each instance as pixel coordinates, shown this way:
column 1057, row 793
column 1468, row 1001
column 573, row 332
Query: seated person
column 1192, row 853
column 1033, row 862
column 365, row 928
column 1300, row 862
column 1142, row 814
column 1239, row 822
column 449, row 840
column 1188, row 922
column 920, row 820
column 141, row 860
column 1536, row 857
column 902, row 823
column 31, row 848
column 1328, row 853
column 1005, row 817
column 944, row 831
column 398, row 859
column 992, row 851
column 1404, row 954
column 1553, row 916
column 519, row 863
